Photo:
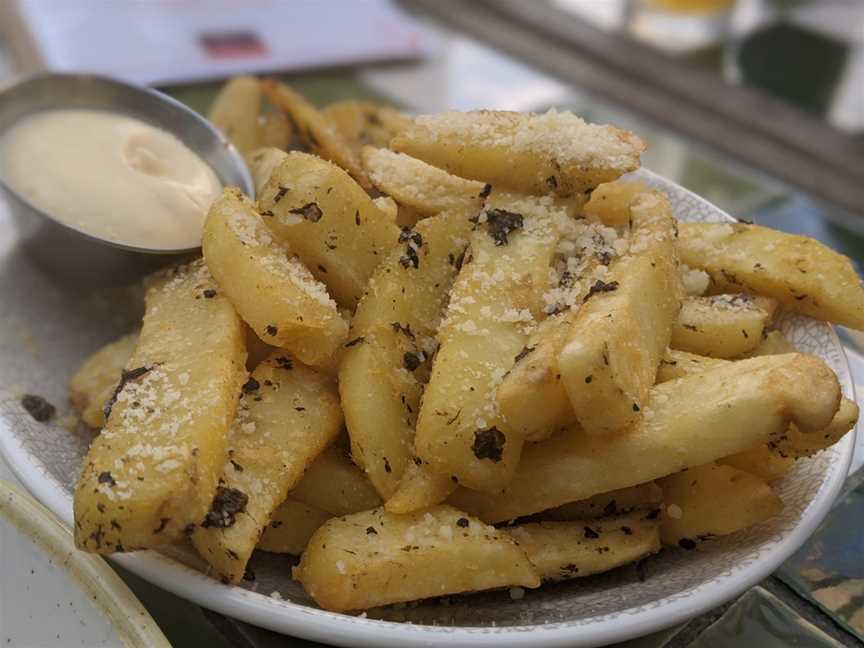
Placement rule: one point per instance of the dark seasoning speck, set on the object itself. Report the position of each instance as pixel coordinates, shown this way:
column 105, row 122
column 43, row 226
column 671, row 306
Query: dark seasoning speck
column 500, row 223
column 37, row 407
column 227, row 503
column 310, row 211
column 489, row 444
column 125, row 377
column 413, row 241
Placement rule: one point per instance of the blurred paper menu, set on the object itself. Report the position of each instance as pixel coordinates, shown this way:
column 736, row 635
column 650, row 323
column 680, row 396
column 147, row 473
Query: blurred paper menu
column 172, row 41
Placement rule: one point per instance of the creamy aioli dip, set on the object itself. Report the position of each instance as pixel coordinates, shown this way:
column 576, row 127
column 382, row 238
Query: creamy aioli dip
column 111, row 176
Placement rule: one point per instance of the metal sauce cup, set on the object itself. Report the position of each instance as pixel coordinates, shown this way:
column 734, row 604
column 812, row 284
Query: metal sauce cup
column 75, row 254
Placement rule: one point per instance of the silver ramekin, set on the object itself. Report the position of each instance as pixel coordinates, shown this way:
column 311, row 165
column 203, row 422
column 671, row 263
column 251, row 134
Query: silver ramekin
column 66, row 250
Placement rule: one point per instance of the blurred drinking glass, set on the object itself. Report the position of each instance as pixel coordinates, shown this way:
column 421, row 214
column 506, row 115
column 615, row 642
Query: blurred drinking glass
column 680, row 26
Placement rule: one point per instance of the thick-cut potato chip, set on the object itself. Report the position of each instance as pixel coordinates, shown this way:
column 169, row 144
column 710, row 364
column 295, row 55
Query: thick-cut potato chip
column 712, row 500
column 257, row 350
column 382, row 373
column 287, row 415
column 532, row 397
column 772, row 344
column 722, row 326
column 273, row 292
column 677, row 364
column 687, row 422
column 362, row 123
column 801, row 273
column 329, row 222
column 646, row 496
column 619, row 335
column 763, row 461
column 420, row 487
column 381, row 398
column 553, row 152
column 96, row 379
column 376, row 558
column 565, row 550
column 235, row 112
column 420, row 186
column 168, row 420
column 316, row 131
column 262, row 163
column 290, row 527
column 795, row 443
column 335, row 485
column 274, row 130
column 388, row 207
column 769, row 462
column 492, row 306
column 610, row 201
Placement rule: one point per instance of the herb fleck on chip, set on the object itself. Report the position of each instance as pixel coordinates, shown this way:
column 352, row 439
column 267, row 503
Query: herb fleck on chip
column 410, row 258
column 601, row 286
column 500, row 222
column 106, row 478
column 406, row 330
column 310, row 211
column 227, row 503
column 524, row 352
column 412, row 360
column 414, row 241
column 489, row 444
column 457, row 260
column 125, row 377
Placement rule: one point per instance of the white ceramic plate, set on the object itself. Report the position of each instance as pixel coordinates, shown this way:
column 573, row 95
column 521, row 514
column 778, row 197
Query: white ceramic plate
column 47, row 328
column 51, row 594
